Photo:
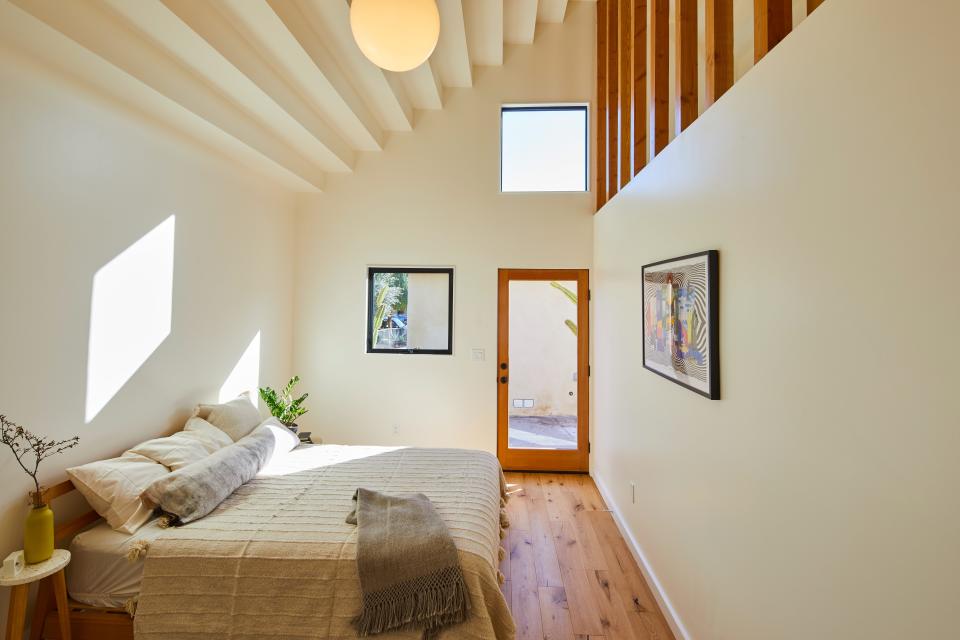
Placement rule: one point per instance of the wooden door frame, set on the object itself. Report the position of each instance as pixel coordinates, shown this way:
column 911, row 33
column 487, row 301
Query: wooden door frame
column 545, row 459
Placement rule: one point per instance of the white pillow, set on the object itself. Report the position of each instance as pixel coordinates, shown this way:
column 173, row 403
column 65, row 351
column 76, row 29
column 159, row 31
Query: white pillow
column 284, row 440
column 113, row 488
column 208, row 431
column 181, row 448
column 236, row 418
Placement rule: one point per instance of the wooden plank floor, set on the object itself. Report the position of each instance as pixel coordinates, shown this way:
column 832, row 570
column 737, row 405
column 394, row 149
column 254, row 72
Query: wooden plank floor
column 569, row 573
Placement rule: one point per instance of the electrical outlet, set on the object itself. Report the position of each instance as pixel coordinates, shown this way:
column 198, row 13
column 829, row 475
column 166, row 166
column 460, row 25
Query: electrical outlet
column 478, row 355
column 633, row 493
column 396, row 428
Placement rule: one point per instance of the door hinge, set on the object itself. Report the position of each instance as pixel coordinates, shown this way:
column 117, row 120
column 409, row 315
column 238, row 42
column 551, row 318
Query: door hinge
column 589, row 447
column 589, row 371
column 589, row 294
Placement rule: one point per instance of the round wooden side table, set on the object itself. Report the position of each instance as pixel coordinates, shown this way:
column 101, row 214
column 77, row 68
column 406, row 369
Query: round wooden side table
column 50, row 573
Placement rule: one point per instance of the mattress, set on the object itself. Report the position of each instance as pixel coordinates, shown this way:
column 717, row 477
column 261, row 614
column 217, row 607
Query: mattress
column 99, row 573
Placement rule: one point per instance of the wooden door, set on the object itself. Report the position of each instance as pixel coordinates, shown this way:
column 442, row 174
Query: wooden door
column 543, row 373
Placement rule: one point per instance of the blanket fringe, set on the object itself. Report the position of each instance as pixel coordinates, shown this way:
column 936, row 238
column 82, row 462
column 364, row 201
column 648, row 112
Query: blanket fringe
column 500, row 577
column 504, row 519
column 130, row 606
column 501, row 553
column 446, row 602
column 137, row 550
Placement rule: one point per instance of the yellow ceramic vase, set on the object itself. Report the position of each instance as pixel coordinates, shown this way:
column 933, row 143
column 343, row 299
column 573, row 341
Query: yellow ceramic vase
column 38, row 535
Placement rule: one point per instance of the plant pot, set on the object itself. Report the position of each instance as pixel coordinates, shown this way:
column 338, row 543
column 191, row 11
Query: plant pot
column 293, row 427
column 38, row 535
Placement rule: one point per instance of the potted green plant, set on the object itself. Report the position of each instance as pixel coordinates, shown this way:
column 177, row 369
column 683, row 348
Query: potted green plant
column 283, row 406
column 30, row 450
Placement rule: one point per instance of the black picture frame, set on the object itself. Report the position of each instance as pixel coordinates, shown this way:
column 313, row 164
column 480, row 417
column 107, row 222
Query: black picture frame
column 371, row 272
column 711, row 259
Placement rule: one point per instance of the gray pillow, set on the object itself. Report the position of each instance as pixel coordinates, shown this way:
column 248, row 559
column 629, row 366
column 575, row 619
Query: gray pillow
column 236, row 418
column 193, row 491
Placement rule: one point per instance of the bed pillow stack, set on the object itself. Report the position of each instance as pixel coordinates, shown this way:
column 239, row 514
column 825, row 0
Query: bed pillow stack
column 113, row 487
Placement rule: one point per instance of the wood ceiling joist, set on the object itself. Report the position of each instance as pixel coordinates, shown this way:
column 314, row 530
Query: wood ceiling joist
column 519, row 21
column 551, row 11
column 280, row 30
column 484, row 20
column 451, row 59
column 107, row 34
column 39, row 42
column 207, row 20
column 423, row 87
column 384, row 97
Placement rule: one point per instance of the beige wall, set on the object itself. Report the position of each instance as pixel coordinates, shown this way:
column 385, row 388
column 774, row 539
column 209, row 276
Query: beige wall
column 432, row 199
column 818, row 499
column 543, row 350
column 82, row 180
column 428, row 306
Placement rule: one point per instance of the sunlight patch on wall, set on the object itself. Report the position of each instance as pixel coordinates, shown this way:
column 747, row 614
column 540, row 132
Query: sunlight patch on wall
column 131, row 309
column 245, row 375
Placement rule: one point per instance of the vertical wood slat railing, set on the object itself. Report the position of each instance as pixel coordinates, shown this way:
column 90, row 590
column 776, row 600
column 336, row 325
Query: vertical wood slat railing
column 633, row 50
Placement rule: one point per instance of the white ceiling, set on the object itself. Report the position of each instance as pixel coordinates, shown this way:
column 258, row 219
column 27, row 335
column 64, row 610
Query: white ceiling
column 278, row 84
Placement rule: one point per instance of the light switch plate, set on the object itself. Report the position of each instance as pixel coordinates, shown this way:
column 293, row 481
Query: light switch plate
column 478, row 355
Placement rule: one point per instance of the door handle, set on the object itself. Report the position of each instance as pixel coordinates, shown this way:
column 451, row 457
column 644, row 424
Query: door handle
column 503, row 365
column 503, row 379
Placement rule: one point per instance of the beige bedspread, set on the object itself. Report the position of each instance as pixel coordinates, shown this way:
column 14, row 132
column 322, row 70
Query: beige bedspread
column 277, row 560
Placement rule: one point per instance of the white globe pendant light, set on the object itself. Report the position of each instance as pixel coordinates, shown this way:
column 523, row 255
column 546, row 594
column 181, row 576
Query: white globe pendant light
column 396, row 35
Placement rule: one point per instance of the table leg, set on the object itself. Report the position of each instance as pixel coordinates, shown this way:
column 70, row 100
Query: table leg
column 41, row 608
column 63, row 609
column 17, row 613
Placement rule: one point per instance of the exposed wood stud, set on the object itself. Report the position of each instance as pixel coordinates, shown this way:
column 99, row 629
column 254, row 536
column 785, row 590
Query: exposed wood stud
column 625, row 60
column 686, row 63
column 659, row 70
column 602, row 152
column 812, row 5
column 613, row 96
column 772, row 20
column 719, row 44
column 639, row 127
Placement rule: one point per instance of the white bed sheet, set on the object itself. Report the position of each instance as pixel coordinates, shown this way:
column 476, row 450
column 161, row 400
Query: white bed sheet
column 99, row 573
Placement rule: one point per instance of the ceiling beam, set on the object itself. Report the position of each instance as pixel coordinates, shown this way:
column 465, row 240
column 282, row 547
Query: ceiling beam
column 451, row 58
column 484, row 19
column 40, row 43
column 519, row 21
column 551, row 11
column 423, row 86
column 386, row 98
column 325, row 89
column 206, row 19
column 105, row 33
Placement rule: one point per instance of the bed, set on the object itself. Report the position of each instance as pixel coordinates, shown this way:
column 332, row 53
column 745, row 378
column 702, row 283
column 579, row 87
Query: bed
column 277, row 560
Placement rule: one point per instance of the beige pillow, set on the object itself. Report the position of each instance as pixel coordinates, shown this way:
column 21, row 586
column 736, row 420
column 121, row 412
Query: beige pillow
column 236, row 418
column 183, row 447
column 113, row 488
column 208, row 431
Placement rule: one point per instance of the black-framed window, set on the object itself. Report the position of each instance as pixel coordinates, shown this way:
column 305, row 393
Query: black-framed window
column 544, row 148
column 410, row 310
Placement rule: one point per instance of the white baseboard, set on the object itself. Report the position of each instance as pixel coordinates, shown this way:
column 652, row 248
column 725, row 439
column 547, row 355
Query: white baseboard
column 679, row 631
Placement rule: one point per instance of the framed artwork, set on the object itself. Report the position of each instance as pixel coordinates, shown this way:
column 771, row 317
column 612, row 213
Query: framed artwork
column 680, row 321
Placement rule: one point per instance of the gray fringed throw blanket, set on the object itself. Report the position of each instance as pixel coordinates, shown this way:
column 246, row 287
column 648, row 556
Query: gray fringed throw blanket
column 409, row 569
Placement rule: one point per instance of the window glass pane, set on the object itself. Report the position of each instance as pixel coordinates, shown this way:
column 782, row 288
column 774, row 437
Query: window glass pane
column 409, row 311
column 544, row 149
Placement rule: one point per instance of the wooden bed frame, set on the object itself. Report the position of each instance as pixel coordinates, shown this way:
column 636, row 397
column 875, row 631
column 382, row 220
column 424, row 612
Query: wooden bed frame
column 86, row 622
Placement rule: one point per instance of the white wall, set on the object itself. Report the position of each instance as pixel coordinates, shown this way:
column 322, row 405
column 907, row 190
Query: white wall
column 82, row 180
column 432, row 198
column 818, row 499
